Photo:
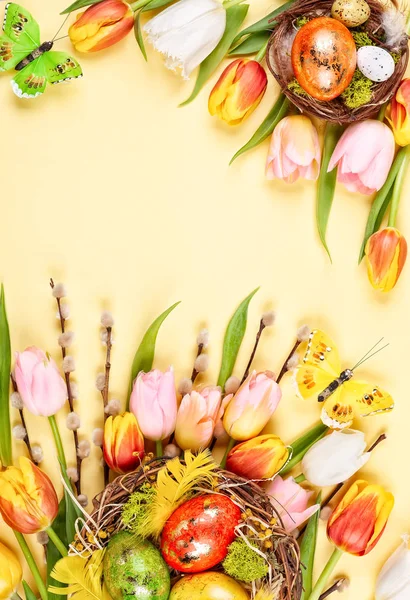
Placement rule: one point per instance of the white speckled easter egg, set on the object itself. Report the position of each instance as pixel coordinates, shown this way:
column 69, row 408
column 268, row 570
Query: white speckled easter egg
column 351, row 13
column 375, row 63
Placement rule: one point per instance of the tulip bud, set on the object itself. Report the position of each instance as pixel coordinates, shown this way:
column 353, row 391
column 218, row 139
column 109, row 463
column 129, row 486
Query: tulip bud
column 39, row 382
column 238, row 91
column 359, row 520
column 28, row 501
column 123, row 443
column 252, row 406
column 197, row 416
column 288, row 160
column 154, row 403
column 290, row 502
column 259, row 458
column 399, row 114
column 101, row 25
column 335, row 458
column 386, row 252
column 11, row 572
column 393, row 582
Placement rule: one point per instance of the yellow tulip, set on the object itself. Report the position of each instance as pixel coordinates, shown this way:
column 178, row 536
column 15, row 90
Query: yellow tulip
column 10, row 572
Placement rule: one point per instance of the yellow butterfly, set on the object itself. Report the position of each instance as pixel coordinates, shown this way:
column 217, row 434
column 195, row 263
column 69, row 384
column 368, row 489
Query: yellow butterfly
column 320, row 374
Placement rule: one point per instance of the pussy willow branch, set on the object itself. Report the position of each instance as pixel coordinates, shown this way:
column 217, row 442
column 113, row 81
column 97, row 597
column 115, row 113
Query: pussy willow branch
column 334, row 588
column 284, row 368
column 105, row 391
column 69, row 393
column 26, row 439
column 255, row 347
column 195, row 373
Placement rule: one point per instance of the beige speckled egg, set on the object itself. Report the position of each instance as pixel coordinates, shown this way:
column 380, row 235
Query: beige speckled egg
column 351, row 13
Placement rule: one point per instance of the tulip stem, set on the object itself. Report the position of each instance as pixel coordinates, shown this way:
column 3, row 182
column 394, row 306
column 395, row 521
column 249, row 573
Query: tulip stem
column 58, row 442
column 382, row 112
column 139, row 4
column 57, row 542
column 398, row 185
column 32, row 565
column 327, row 571
column 229, row 447
column 262, row 52
column 300, row 478
column 158, row 449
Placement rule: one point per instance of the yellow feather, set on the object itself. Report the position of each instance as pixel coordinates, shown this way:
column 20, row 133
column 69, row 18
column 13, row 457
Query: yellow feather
column 83, row 577
column 174, row 482
column 269, row 591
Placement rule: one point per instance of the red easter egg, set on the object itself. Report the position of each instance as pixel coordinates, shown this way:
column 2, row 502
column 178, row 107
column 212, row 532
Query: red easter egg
column 197, row 535
column 324, row 58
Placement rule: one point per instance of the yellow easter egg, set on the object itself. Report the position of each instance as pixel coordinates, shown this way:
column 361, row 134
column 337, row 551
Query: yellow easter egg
column 351, row 13
column 209, row 585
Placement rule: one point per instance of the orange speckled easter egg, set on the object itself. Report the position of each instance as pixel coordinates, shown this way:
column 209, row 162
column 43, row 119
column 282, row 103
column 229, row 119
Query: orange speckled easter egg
column 324, row 58
column 197, row 535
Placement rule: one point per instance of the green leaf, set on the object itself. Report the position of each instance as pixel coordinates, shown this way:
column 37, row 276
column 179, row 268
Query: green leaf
column 381, row 201
column 279, row 110
column 265, row 24
column 79, row 4
column 301, row 445
column 5, row 370
column 234, row 19
column 156, row 4
column 30, row 595
column 138, row 34
column 308, row 550
column 53, row 555
column 251, row 45
column 144, row 356
column 327, row 183
column 233, row 339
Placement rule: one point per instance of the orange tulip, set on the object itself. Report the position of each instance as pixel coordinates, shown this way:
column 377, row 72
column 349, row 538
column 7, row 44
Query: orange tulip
column 399, row 114
column 28, row 501
column 238, row 91
column 101, row 25
column 386, row 252
column 259, row 458
column 358, row 522
column 123, row 443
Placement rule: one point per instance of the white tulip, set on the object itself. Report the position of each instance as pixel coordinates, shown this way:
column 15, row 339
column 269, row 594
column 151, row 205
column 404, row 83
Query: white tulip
column 335, row 458
column 187, row 32
column 393, row 582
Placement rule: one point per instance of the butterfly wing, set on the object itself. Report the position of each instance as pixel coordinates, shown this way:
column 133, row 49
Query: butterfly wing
column 31, row 81
column 61, row 67
column 20, row 27
column 11, row 53
column 355, row 398
column 320, row 365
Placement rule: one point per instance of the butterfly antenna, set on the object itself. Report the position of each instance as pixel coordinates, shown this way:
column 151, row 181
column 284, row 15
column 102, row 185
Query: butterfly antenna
column 62, row 25
column 369, row 354
column 61, row 38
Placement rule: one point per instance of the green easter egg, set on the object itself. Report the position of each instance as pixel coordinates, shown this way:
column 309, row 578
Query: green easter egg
column 134, row 569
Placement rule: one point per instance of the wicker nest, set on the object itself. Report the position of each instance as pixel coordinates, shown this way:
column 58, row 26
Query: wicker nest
column 257, row 512
column 279, row 63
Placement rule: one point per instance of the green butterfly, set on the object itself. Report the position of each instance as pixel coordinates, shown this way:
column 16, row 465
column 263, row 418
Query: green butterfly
column 21, row 49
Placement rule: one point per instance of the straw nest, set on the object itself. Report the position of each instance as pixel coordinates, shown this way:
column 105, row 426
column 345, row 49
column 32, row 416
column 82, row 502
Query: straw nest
column 260, row 524
column 335, row 111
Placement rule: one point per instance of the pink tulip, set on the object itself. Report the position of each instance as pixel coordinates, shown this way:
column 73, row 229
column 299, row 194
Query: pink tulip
column 364, row 155
column 290, row 501
column 39, row 382
column 154, row 403
column 197, row 416
column 252, row 406
column 294, row 150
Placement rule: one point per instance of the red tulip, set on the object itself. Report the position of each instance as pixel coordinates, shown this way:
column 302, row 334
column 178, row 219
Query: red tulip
column 386, row 252
column 123, row 443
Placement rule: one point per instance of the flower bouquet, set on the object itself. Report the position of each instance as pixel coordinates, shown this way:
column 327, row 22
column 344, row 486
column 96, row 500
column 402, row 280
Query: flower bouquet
column 171, row 523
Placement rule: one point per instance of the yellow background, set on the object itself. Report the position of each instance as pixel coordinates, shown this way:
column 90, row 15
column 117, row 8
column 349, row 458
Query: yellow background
column 110, row 187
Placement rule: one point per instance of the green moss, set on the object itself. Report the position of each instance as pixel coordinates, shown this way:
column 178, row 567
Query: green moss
column 395, row 56
column 243, row 563
column 295, row 87
column 361, row 38
column 136, row 506
column 359, row 91
column 300, row 21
